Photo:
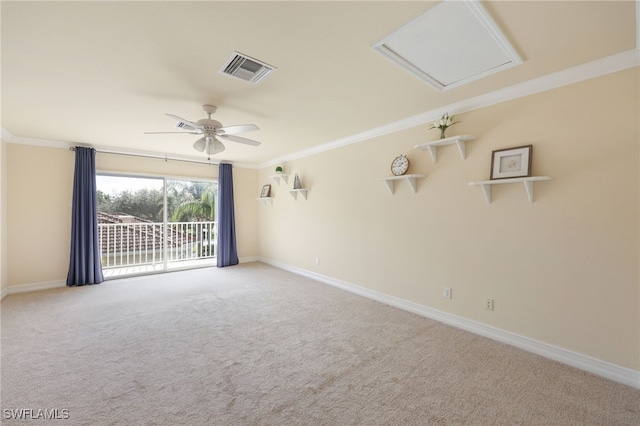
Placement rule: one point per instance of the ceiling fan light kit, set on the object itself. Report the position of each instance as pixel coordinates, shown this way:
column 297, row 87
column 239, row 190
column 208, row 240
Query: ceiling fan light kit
column 213, row 131
column 215, row 147
column 200, row 145
column 209, row 145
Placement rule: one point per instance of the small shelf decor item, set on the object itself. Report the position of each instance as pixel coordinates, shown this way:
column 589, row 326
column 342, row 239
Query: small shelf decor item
column 443, row 124
column 399, row 165
column 511, row 162
column 297, row 188
column 266, row 190
column 279, row 170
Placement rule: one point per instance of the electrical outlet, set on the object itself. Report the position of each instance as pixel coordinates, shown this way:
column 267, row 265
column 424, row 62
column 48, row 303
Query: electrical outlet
column 447, row 293
column 488, row 304
column 317, row 260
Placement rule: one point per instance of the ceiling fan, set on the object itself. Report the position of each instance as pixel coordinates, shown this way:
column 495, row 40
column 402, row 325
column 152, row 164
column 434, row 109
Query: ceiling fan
column 213, row 132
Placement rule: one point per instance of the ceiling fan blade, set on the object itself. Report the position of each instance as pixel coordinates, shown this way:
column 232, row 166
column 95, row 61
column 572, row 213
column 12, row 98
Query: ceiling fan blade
column 239, row 140
column 184, row 133
column 240, row 128
column 185, row 124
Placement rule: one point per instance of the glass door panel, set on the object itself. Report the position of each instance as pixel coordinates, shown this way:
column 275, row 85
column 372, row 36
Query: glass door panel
column 191, row 222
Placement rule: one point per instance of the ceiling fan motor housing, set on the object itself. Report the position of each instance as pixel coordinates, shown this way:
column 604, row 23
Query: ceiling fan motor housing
column 209, row 125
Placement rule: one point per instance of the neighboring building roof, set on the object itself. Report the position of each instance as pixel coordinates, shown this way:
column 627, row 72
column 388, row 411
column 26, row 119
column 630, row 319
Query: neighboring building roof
column 136, row 234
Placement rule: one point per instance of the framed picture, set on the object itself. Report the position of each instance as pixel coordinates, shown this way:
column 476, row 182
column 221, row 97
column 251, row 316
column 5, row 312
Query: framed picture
column 511, row 162
column 265, row 191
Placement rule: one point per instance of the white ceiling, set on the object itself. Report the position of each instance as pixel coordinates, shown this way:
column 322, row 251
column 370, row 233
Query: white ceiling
column 103, row 73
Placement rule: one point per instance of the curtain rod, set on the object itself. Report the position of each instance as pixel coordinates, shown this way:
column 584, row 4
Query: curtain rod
column 158, row 156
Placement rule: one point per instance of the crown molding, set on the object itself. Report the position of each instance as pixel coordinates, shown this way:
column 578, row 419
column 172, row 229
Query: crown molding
column 5, row 135
column 50, row 143
column 589, row 70
column 8, row 137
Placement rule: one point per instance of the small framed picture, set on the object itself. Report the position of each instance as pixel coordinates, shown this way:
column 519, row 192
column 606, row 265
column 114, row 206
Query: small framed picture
column 511, row 162
column 266, row 190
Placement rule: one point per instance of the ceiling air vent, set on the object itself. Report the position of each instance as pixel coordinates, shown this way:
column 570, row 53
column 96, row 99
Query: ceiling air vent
column 246, row 68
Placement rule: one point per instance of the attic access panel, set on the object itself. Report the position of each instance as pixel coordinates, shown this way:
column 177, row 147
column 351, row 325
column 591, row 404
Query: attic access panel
column 451, row 44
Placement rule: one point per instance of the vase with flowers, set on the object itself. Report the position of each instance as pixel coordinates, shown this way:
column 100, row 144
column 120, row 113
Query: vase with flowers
column 443, row 124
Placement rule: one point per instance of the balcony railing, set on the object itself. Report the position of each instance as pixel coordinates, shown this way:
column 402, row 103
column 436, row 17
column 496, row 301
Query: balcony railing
column 143, row 243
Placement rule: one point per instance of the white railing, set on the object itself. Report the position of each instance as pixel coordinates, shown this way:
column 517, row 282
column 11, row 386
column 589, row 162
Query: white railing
column 143, row 243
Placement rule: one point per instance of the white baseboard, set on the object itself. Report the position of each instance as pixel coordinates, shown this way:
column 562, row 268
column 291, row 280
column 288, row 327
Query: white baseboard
column 610, row 371
column 32, row 287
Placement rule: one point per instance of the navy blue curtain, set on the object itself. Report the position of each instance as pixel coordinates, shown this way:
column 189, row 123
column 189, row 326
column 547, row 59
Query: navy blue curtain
column 227, row 253
column 84, row 264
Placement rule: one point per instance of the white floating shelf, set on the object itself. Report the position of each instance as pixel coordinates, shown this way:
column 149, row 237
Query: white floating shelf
column 279, row 176
column 265, row 200
column 294, row 193
column 390, row 181
column 527, row 181
column 432, row 147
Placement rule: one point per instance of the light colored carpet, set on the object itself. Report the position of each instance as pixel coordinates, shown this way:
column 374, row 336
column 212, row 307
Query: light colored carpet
column 255, row 345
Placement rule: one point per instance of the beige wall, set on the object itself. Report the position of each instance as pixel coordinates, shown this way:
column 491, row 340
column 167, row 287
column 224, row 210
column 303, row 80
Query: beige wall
column 39, row 182
column 562, row 270
column 39, row 188
column 3, row 216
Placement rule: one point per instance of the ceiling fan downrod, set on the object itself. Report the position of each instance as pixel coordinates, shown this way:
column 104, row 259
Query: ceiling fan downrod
column 209, row 109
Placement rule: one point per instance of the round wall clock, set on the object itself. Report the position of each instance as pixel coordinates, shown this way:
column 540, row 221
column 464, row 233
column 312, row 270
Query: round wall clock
column 400, row 165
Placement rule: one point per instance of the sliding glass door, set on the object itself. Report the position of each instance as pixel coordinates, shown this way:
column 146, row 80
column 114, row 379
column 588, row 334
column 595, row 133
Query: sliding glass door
column 150, row 224
column 191, row 225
